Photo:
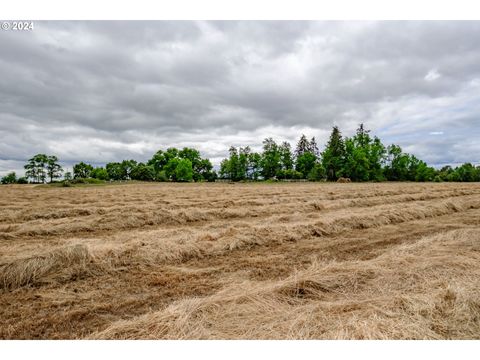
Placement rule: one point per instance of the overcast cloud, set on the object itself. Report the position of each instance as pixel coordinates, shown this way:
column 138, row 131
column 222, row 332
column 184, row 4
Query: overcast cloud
column 107, row 91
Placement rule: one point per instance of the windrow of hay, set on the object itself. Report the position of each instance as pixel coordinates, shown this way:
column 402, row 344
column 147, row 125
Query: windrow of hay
column 386, row 199
column 48, row 219
column 62, row 263
column 153, row 247
column 300, row 260
column 426, row 290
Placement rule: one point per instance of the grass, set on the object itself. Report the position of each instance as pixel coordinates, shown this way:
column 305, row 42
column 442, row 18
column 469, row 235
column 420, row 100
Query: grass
column 263, row 261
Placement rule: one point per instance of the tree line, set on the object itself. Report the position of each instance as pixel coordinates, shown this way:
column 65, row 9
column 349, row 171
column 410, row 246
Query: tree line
column 179, row 165
column 362, row 157
column 170, row 165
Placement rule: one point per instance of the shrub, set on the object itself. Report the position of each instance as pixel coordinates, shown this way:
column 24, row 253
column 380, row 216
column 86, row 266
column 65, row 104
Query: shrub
column 22, row 180
column 10, row 178
column 161, row 176
column 317, row 173
column 86, row 181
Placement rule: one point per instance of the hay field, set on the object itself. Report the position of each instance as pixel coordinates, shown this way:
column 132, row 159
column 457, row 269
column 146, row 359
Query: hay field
column 240, row 261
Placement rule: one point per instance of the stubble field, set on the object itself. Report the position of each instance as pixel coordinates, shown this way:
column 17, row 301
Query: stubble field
column 240, row 261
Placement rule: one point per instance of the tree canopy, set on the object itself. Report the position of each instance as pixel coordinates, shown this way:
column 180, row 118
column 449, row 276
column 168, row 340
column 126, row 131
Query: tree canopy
column 361, row 157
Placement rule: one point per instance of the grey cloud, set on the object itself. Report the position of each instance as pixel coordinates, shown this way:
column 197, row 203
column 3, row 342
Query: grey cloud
column 103, row 91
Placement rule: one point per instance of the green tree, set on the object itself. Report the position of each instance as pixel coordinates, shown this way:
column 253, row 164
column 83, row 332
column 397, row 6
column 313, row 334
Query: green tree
column 225, row 169
column 313, row 147
column 333, row 157
column 444, row 173
column 289, row 174
column 194, row 156
column 254, row 166
column 184, row 170
column 161, row 158
column 424, row 172
column 270, row 159
column 305, row 163
column 54, row 170
column 36, row 168
column 397, row 164
column 364, row 157
column 67, row 176
column 115, row 171
column 99, row 173
column 466, row 172
column 376, row 159
column 243, row 155
column 317, row 172
column 143, row 172
column 126, row 168
column 356, row 165
column 170, row 168
column 231, row 168
column 303, row 146
column 286, row 156
column 205, row 171
column 82, row 170
column 22, row 180
column 412, row 166
column 10, row 178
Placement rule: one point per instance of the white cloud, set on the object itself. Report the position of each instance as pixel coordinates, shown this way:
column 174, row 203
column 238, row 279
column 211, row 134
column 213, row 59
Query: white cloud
column 432, row 75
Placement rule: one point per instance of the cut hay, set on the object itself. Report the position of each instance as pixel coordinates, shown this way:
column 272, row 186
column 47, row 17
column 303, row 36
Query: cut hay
column 61, row 263
column 250, row 261
column 429, row 290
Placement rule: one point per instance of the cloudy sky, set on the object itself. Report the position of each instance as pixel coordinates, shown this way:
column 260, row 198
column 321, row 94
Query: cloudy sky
column 107, row 91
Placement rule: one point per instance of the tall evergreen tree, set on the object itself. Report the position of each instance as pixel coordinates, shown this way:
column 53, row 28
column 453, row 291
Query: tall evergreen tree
column 303, row 146
column 333, row 157
column 313, row 148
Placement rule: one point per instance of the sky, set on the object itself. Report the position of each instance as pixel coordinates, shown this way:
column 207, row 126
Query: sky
column 102, row 91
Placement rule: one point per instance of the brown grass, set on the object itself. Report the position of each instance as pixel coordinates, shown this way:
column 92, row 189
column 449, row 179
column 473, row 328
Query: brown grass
column 249, row 261
column 413, row 291
column 64, row 263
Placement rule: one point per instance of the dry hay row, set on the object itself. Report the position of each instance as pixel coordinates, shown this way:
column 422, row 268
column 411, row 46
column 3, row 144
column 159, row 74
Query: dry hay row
column 63, row 264
column 151, row 249
column 386, row 199
column 45, row 210
column 70, row 262
column 126, row 219
column 302, row 202
column 426, row 290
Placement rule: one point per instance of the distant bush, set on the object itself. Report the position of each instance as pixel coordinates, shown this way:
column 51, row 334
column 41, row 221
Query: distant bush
column 317, row 173
column 22, row 180
column 10, row 178
column 289, row 174
column 161, row 176
column 85, row 181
